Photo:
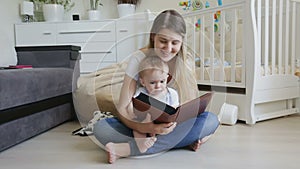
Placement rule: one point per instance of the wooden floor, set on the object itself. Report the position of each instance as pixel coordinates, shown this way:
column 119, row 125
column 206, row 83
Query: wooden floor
column 272, row 144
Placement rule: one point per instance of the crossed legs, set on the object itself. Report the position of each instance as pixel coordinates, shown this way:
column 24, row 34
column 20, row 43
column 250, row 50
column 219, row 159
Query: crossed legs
column 112, row 130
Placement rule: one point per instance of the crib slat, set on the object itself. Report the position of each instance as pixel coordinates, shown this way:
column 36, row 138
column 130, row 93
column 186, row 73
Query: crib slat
column 287, row 30
column 266, row 37
column 233, row 45
column 193, row 45
column 202, row 46
column 212, row 47
column 293, row 48
column 273, row 36
column 222, row 44
column 258, row 7
column 280, row 37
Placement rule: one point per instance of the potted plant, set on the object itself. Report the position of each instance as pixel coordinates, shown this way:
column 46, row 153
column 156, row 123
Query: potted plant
column 134, row 2
column 94, row 4
column 94, row 13
column 53, row 10
column 127, row 7
column 67, row 4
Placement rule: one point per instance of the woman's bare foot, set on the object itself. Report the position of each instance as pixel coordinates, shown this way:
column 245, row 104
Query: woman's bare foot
column 145, row 143
column 116, row 151
column 196, row 145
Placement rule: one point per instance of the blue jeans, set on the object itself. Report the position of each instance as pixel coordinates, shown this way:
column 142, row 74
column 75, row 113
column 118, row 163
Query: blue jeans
column 184, row 134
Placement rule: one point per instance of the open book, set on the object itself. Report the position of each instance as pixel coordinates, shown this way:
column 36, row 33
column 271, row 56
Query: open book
column 162, row 113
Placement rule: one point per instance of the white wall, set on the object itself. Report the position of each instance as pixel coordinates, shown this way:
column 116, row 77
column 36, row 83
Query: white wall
column 109, row 9
column 9, row 13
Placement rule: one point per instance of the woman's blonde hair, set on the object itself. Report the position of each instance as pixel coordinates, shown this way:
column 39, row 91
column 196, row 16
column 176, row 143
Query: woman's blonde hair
column 185, row 79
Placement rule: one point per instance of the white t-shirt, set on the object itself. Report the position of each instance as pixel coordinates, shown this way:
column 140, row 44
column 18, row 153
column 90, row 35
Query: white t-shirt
column 171, row 98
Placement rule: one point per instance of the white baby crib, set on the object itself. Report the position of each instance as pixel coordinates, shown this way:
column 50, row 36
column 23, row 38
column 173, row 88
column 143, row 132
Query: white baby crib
column 246, row 51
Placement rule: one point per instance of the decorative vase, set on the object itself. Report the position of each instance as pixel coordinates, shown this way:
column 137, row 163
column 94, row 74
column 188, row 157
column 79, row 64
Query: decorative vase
column 53, row 12
column 126, row 9
column 94, row 15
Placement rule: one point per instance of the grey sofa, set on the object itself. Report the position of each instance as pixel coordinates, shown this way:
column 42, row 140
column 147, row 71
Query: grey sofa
column 35, row 100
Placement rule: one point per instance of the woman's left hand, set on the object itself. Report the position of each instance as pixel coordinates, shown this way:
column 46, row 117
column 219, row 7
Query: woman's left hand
column 163, row 128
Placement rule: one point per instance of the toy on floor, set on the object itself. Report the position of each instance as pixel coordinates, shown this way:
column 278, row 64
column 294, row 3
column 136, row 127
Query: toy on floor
column 88, row 129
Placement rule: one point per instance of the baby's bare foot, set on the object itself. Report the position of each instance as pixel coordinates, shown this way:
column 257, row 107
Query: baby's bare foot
column 145, row 143
column 111, row 153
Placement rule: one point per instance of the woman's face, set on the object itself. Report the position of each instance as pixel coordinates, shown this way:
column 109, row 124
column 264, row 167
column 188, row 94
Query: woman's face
column 167, row 44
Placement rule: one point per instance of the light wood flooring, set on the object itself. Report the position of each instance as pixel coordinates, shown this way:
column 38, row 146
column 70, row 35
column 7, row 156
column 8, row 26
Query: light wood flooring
column 272, row 144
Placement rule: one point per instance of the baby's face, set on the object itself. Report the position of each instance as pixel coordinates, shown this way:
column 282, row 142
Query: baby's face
column 155, row 82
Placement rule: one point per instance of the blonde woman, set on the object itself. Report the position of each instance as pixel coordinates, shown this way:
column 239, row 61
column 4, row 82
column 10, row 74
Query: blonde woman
column 166, row 41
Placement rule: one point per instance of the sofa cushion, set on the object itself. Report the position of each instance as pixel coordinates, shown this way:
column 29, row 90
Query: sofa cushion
column 24, row 86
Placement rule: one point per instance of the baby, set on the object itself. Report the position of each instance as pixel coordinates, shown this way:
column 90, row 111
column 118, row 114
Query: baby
column 153, row 77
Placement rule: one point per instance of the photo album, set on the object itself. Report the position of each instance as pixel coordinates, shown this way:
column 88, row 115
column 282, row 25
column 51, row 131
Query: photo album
column 163, row 113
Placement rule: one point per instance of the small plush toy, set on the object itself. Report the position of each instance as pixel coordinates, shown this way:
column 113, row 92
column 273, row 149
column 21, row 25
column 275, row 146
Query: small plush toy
column 186, row 4
column 220, row 2
column 197, row 5
column 197, row 25
column 207, row 5
column 217, row 15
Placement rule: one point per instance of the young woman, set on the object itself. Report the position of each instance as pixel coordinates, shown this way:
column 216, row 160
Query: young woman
column 166, row 40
